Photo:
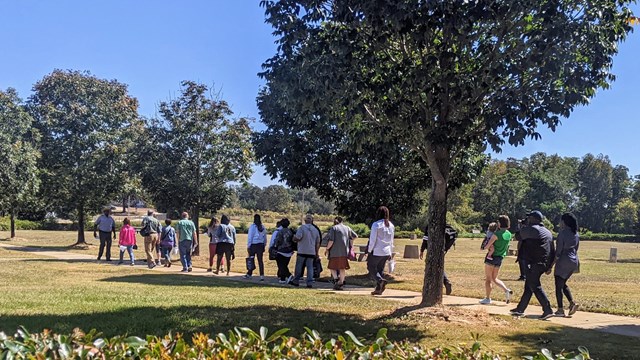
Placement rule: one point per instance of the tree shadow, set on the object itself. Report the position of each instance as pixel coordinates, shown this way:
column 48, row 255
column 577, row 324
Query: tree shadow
column 619, row 261
column 141, row 321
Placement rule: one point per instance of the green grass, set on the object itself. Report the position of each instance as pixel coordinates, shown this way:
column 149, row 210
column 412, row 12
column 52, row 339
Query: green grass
column 41, row 292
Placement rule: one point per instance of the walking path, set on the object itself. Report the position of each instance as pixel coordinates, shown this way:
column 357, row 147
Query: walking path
column 621, row 325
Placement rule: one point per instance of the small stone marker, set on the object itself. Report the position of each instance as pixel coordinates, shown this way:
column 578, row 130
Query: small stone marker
column 412, row 236
column 411, row 252
column 475, row 231
column 613, row 255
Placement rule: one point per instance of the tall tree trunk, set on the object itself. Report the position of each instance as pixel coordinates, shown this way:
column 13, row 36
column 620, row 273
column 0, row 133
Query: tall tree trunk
column 13, row 223
column 196, row 221
column 438, row 158
column 81, row 239
column 124, row 204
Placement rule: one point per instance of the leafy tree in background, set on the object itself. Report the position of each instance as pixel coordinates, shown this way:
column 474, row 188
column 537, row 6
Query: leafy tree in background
column 274, row 198
column 594, row 181
column 19, row 172
column 439, row 77
column 194, row 151
column 83, row 122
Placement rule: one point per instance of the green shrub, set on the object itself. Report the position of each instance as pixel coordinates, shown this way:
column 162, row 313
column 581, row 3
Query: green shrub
column 5, row 224
column 608, row 237
column 241, row 343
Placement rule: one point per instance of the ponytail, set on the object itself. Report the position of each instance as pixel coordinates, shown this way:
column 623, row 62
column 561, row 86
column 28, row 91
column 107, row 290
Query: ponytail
column 383, row 213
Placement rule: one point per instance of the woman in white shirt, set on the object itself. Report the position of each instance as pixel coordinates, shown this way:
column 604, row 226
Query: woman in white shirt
column 256, row 244
column 380, row 248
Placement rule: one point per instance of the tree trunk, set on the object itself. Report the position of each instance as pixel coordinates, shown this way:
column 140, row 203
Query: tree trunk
column 13, row 223
column 81, row 239
column 124, row 204
column 439, row 163
column 196, row 220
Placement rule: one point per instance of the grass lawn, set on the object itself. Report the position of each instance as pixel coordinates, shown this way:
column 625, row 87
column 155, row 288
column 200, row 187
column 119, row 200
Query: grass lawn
column 41, row 292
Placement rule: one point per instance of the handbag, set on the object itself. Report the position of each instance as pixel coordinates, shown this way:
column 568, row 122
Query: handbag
column 273, row 252
column 391, row 265
column 251, row 264
column 352, row 254
column 175, row 252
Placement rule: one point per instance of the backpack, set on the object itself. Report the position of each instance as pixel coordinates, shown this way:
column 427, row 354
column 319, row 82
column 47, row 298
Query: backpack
column 450, row 236
column 146, row 227
column 284, row 241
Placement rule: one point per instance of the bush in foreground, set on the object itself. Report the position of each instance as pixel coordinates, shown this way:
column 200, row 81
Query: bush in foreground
column 241, row 343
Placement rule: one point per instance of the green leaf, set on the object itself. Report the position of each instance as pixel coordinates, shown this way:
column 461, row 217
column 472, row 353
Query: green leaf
column 353, row 338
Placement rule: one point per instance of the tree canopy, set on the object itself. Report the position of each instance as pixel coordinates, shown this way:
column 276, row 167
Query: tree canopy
column 441, row 77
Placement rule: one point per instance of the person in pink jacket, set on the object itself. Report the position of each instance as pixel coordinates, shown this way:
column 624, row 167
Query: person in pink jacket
column 127, row 240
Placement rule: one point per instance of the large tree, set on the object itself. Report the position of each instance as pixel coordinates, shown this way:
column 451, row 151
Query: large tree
column 19, row 172
column 194, row 150
column 83, row 121
column 440, row 77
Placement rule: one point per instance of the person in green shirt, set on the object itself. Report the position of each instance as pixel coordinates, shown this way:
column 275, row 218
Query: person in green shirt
column 500, row 243
column 187, row 239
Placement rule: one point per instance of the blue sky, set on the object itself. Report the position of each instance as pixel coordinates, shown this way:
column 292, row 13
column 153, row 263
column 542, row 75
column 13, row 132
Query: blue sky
column 153, row 45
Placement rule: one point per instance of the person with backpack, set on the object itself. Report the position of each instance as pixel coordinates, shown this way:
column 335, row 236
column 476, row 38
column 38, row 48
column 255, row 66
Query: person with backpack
column 340, row 241
column 127, row 241
column 150, row 230
column 308, row 244
column 256, row 242
column 226, row 243
column 283, row 245
column 380, row 248
column 450, row 236
column 167, row 242
column 499, row 241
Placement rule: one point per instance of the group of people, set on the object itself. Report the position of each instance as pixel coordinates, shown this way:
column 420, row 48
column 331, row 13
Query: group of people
column 537, row 255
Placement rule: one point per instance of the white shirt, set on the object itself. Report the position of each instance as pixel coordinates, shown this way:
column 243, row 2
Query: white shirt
column 255, row 236
column 381, row 239
column 273, row 236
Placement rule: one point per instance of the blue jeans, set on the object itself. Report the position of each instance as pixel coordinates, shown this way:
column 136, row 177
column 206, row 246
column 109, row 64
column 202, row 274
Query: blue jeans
column 166, row 253
column 303, row 261
column 130, row 251
column 185, row 253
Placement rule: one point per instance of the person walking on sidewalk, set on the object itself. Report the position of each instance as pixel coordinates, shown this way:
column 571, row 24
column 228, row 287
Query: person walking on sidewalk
column 539, row 252
column 450, row 235
column 150, row 230
column 226, row 243
column 105, row 225
column 283, row 243
column 566, row 262
column 127, row 241
column 167, row 242
column 256, row 243
column 212, row 231
column 340, row 241
column 187, row 239
column 380, row 248
column 308, row 241
column 499, row 243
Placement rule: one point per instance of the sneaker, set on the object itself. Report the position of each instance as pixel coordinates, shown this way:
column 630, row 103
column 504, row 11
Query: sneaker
column 133, row 264
column 522, row 278
column 215, row 272
column 152, row 265
column 294, row 283
column 190, row 269
column 247, row 276
column 546, row 315
column 157, row 262
column 309, row 286
column 184, row 270
column 169, row 264
column 209, row 270
column 120, row 262
column 282, row 281
column 376, row 292
column 573, row 307
column 383, row 286
column 516, row 312
column 447, row 288
column 507, row 295
column 261, row 278
column 559, row 313
column 485, row 301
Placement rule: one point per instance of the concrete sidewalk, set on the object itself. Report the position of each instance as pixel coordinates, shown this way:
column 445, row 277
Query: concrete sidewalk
column 621, row 325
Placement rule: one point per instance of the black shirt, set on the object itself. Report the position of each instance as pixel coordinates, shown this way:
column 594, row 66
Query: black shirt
column 537, row 245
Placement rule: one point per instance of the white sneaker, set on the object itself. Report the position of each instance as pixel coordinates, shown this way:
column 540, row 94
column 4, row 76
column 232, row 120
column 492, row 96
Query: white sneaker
column 507, row 295
column 485, row 301
column 282, row 281
column 261, row 278
column 247, row 276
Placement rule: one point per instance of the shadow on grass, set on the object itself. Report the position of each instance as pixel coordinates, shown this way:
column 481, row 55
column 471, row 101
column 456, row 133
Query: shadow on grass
column 601, row 345
column 159, row 321
column 178, row 280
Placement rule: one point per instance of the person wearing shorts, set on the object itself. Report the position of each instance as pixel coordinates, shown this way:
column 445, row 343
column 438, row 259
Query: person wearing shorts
column 500, row 242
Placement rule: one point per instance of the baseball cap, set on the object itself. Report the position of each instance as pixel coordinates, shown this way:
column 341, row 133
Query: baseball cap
column 537, row 214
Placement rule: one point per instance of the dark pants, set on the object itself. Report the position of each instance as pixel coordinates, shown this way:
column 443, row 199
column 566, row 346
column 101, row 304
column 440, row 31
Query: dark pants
column 533, row 286
column 524, row 266
column 446, row 279
column 283, row 267
column 562, row 288
column 166, row 253
column 257, row 250
column 105, row 241
column 375, row 265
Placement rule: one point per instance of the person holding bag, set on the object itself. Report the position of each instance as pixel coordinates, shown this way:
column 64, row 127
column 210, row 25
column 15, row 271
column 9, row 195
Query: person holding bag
column 283, row 246
column 380, row 248
column 256, row 242
column 127, row 241
column 340, row 242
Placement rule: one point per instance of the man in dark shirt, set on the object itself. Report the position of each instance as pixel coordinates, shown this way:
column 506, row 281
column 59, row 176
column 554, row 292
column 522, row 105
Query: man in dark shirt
column 538, row 250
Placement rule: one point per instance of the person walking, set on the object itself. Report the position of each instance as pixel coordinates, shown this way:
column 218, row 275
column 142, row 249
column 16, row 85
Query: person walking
column 566, row 261
column 187, row 238
column 308, row 242
column 499, row 245
column 212, row 231
column 380, row 248
column 127, row 241
column 105, row 224
column 226, row 243
column 167, row 242
column 450, row 235
column 538, row 250
column 150, row 230
column 256, row 243
column 340, row 241
column 283, row 243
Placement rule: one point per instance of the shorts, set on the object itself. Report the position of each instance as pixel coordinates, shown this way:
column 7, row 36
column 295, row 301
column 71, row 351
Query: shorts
column 223, row 248
column 496, row 262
